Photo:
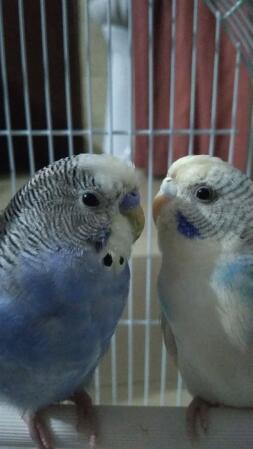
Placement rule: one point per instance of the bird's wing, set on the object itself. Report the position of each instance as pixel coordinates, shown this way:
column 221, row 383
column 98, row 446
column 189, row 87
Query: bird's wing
column 168, row 335
column 233, row 284
column 169, row 338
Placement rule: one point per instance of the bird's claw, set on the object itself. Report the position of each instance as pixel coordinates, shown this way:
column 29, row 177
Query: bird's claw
column 38, row 429
column 197, row 411
column 86, row 412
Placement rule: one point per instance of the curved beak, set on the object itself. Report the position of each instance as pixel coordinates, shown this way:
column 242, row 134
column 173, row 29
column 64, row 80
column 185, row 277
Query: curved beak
column 167, row 192
column 137, row 220
column 158, row 203
column 131, row 208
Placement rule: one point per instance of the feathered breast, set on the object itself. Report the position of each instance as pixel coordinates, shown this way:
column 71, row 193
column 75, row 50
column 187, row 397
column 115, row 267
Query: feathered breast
column 61, row 308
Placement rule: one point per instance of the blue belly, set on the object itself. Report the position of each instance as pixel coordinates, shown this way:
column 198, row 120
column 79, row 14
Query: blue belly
column 56, row 321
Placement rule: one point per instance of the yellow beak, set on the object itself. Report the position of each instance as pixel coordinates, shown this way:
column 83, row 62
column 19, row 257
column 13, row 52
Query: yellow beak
column 159, row 201
column 137, row 220
column 168, row 191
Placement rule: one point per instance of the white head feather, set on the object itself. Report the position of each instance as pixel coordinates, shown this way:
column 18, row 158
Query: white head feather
column 228, row 212
column 109, row 171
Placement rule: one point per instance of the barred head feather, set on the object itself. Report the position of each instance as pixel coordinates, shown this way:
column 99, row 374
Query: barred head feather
column 50, row 209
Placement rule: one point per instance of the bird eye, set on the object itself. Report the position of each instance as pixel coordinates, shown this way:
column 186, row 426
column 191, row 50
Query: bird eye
column 90, row 200
column 205, row 194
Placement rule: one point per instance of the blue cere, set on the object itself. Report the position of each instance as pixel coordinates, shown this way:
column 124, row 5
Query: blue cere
column 130, row 201
column 186, row 228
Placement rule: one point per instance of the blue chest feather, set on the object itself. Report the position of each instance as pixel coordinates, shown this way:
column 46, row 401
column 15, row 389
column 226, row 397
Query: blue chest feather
column 57, row 318
column 237, row 276
column 186, row 228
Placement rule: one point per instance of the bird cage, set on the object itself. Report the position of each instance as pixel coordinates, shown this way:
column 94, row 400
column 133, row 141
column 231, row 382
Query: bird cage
column 109, row 76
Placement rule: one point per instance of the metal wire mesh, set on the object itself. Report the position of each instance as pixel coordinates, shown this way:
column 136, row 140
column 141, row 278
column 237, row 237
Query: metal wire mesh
column 237, row 17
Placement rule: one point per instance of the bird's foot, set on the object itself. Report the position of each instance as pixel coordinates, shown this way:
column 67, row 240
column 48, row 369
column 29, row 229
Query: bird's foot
column 85, row 412
column 197, row 411
column 38, row 429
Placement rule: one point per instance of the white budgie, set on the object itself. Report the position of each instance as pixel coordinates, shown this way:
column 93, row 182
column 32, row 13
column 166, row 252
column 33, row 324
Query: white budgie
column 204, row 216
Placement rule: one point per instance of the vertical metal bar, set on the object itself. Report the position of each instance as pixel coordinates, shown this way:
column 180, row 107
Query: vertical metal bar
column 130, row 339
column 26, row 85
column 65, row 30
column 172, row 78
column 46, row 79
column 109, row 131
column 130, row 75
column 179, row 390
column 215, row 83
column 97, row 385
column 6, row 101
column 109, row 76
column 130, row 298
column 149, row 202
column 88, row 77
column 234, row 105
column 114, row 370
column 193, row 75
column 163, row 374
column 249, row 169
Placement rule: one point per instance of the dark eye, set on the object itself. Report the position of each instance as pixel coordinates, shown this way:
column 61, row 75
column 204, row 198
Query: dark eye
column 90, row 200
column 205, row 194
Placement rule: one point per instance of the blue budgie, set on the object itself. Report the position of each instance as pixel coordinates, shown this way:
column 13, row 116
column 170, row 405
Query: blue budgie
column 204, row 217
column 65, row 241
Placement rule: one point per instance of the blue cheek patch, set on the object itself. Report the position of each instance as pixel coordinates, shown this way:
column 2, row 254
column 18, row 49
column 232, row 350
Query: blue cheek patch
column 186, row 228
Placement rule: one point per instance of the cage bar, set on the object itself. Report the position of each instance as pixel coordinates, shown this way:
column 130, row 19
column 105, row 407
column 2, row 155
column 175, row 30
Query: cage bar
column 110, row 125
column 130, row 337
column 215, row 82
column 179, row 389
column 234, row 105
column 130, row 76
column 6, row 101
column 26, row 86
column 89, row 87
column 163, row 374
column 172, row 78
column 249, row 168
column 46, row 80
column 103, row 132
column 239, row 25
column 193, row 75
column 130, row 296
column 242, row 30
column 114, row 369
column 67, row 75
column 149, row 202
column 136, row 322
column 109, row 76
column 97, row 385
column 233, row 8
